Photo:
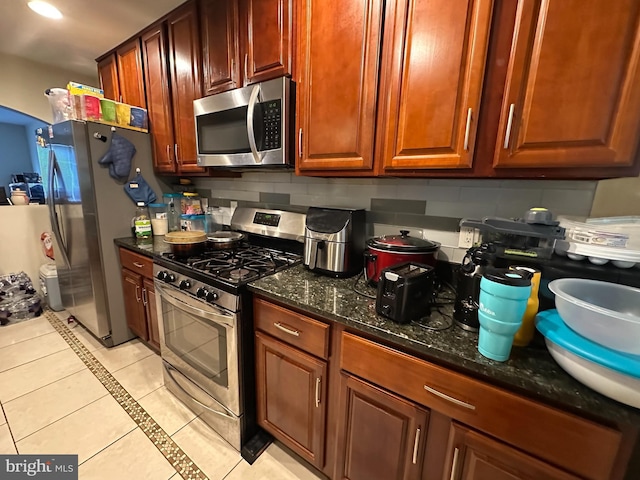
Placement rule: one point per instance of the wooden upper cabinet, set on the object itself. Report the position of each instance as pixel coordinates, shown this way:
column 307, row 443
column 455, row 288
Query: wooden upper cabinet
column 219, row 23
column 154, row 47
column 186, row 83
column 108, row 74
column 572, row 96
column 433, row 83
column 266, row 33
column 130, row 75
column 472, row 456
column 338, row 57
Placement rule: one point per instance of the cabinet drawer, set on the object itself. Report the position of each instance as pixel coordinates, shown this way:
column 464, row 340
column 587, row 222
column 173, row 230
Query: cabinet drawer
column 302, row 332
column 136, row 262
column 566, row 440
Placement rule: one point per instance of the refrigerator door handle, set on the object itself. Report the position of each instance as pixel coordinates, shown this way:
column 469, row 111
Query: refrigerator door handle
column 55, row 225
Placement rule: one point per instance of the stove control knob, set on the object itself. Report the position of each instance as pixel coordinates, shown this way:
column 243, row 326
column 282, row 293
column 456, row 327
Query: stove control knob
column 161, row 275
column 212, row 297
column 202, row 292
column 170, row 278
column 185, row 285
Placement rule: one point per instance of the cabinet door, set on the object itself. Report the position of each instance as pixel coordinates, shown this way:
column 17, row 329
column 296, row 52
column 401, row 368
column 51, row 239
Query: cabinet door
column 133, row 306
column 266, row 35
column 108, row 74
column 158, row 99
column 572, row 96
column 220, row 45
column 186, row 85
column 473, row 456
column 433, row 84
column 380, row 434
column 291, row 394
column 151, row 313
column 340, row 43
column 130, row 74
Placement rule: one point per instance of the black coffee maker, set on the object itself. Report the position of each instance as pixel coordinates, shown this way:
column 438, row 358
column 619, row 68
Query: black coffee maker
column 465, row 308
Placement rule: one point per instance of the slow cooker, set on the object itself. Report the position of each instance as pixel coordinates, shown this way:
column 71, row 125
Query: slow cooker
column 390, row 250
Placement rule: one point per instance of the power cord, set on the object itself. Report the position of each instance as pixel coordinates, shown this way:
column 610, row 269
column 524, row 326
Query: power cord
column 360, row 292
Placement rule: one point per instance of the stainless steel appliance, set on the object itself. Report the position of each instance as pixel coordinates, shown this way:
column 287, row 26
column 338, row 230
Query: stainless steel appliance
column 88, row 209
column 206, row 321
column 334, row 241
column 246, row 127
column 406, row 292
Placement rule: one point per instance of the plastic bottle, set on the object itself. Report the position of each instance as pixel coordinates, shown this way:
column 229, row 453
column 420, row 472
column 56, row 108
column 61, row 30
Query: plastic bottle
column 173, row 217
column 142, row 222
column 524, row 335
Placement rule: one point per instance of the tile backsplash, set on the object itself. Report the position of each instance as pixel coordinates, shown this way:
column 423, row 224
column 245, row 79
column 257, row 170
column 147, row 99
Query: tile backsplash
column 428, row 207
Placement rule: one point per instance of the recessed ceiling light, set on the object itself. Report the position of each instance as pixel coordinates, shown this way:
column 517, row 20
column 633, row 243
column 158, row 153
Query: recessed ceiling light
column 45, row 9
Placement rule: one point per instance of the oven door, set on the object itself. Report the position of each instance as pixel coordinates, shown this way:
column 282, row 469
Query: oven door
column 200, row 341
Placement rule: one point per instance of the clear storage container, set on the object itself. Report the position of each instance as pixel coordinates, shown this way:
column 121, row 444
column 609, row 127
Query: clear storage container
column 191, row 223
column 191, row 204
column 159, row 221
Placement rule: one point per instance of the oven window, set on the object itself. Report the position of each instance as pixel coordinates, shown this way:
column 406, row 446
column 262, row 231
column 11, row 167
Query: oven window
column 201, row 344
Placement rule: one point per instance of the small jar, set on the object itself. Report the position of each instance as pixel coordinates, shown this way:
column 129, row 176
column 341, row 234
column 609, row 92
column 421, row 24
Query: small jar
column 142, row 222
column 159, row 220
column 19, row 197
column 191, row 204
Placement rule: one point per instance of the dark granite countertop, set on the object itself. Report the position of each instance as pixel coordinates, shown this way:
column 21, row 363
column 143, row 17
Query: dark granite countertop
column 530, row 370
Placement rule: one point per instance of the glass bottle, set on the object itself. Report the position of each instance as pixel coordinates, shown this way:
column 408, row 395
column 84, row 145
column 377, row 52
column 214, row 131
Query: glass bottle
column 142, row 222
column 173, row 217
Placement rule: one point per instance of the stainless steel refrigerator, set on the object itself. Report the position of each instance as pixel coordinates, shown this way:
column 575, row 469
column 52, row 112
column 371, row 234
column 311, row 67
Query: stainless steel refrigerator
column 88, row 209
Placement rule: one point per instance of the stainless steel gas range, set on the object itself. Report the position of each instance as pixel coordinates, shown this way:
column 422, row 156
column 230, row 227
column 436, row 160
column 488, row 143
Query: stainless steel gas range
column 206, row 322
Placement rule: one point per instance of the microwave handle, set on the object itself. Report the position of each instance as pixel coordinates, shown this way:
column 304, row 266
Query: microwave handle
column 250, row 111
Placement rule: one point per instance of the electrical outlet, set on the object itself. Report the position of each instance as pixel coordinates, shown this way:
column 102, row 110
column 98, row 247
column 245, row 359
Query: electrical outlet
column 465, row 239
column 233, row 204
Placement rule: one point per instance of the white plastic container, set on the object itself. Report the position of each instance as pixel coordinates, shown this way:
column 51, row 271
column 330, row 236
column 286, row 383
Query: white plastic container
column 616, row 232
column 605, row 313
column 50, row 287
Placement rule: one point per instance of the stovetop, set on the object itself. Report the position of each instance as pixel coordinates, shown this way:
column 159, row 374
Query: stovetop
column 237, row 266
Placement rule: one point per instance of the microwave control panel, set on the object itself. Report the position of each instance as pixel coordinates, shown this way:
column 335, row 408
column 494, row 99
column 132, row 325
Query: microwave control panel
column 272, row 121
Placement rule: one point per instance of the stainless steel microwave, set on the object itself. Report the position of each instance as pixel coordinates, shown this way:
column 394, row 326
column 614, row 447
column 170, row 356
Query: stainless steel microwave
column 246, row 127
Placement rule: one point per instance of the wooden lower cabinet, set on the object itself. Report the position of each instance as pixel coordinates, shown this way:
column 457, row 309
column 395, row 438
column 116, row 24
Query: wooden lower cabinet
column 133, row 306
column 473, row 456
column 291, row 395
column 140, row 296
column 380, row 435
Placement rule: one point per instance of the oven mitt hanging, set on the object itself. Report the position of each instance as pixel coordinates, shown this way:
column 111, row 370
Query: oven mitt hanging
column 139, row 190
column 118, row 157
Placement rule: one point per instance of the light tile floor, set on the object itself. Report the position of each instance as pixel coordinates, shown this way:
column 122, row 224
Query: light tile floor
column 52, row 403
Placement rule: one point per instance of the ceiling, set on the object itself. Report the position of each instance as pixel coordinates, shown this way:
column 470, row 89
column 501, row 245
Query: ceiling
column 88, row 29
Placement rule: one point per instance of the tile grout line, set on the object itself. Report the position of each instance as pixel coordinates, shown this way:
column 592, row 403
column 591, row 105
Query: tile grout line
column 15, row 445
column 180, row 461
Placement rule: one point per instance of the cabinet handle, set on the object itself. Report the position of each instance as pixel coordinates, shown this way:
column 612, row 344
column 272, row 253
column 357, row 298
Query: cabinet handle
column 449, row 398
column 138, row 264
column 467, row 129
column 318, row 380
column 454, row 464
column 290, row 331
column 416, row 442
column 300, row 143
column 144, row 297
column 246, row 60
column 120, row 98
column 175, row 150
column 507, row 134
column 168, row 153
column 138, row 293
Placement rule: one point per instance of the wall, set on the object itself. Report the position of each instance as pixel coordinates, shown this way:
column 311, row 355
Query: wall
column 23, row 82
column 431, row 208
column 617, row 197
column 15, row 154
column 20, row 247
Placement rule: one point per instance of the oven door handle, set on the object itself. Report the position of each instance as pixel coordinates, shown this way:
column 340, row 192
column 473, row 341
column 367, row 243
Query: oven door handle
column 227, row 413
column 174, row 299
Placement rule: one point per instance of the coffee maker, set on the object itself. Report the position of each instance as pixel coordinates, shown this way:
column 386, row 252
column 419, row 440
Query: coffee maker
column 334, row 241
column 475, row 262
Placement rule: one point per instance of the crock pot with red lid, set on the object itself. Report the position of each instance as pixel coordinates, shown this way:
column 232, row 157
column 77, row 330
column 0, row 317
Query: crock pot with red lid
column 389, row 250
